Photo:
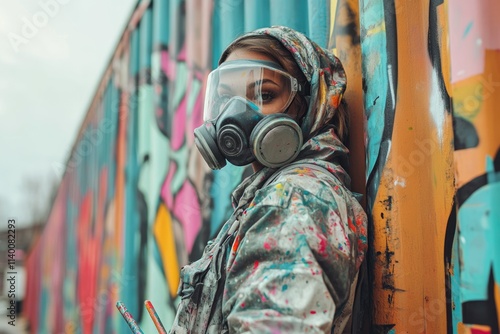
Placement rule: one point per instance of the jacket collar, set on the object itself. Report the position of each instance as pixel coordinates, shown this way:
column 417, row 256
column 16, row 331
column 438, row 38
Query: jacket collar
column 324, row 149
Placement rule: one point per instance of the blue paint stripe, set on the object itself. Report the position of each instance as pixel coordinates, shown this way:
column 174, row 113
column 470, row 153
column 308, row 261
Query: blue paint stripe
column 318, row 24
column 225, row 180
column 467, row 29
column 134, row 53
column 146, row 39
column 376, row 77
column 176, row 20
column 256, row 14
column 128, row 293
column 293, row 14
column 231, row 20
column 478, row 218
column 161, row 29
column 111, row 130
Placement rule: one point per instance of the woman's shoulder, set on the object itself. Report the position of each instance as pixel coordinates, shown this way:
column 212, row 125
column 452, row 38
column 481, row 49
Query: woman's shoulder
column 307, row 184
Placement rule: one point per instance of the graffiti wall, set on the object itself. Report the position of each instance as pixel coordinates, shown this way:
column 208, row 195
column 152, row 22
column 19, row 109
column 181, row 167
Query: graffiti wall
column 475, row 83
column 137, row 201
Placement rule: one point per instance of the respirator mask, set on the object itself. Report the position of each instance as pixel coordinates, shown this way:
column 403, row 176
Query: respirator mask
column 245, row 118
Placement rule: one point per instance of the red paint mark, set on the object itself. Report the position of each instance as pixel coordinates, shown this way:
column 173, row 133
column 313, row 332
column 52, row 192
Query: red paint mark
column 313, row 312
column 242, row 305
column 351, row 225
column 322, row 244
column 255, row 265
column 270, row 243
column 478, row 330
column 236, row 243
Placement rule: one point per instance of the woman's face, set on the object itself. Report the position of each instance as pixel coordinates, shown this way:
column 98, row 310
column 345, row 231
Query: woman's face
column 274, row 89
column 294, row 110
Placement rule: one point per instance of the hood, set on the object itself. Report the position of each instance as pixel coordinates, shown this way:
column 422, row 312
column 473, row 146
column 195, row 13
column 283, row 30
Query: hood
column 321, row 68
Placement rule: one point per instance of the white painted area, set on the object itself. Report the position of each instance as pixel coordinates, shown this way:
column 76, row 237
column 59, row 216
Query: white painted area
column 437, row 106
column 400, row 182
column 391, row 86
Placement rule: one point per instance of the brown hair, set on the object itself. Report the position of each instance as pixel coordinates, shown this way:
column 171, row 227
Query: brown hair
column 272, row 48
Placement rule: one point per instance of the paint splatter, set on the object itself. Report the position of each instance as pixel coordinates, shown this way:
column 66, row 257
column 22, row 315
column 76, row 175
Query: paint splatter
column 467, row 29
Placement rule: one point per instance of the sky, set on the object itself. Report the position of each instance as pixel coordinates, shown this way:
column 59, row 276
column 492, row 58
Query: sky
column 52, row 56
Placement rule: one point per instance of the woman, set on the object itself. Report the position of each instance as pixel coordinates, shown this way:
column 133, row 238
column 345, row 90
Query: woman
column 288, row 258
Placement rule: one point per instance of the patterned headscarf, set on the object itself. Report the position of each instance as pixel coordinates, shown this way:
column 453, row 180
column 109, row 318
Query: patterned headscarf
column 321, row 68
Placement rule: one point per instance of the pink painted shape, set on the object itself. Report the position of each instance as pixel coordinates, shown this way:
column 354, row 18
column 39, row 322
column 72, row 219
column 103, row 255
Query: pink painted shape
column 85, row 249
column 187, row 211
column 477, row 330
column 178, row 129
column 197, row 114
column 167, row 65
column 166, row 193
column 182, row 53
column 474, row 27
column 195, row 120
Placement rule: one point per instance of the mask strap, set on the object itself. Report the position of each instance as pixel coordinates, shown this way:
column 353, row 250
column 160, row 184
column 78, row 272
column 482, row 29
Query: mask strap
column 305, row 89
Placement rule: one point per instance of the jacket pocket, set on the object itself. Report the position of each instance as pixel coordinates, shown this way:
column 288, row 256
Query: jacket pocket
column 201, row 289
column 192, row 276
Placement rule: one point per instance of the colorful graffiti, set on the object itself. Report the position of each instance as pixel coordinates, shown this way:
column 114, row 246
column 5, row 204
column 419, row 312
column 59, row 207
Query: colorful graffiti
column 475, row 82
column 427, row 236
column 409, row 150
column 137, row 201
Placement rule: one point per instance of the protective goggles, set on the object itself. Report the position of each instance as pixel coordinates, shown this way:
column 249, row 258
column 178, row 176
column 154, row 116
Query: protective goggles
column 264, row 83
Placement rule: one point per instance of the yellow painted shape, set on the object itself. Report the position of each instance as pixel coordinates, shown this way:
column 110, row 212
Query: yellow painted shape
column 462, row 329
column 376, row 29
column 497, row 301
column 164, row 235
column 333, row 14
column 468, row 97
column 483, row 91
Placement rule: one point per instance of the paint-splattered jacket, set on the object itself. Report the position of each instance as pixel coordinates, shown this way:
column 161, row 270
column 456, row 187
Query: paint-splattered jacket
column 287, row 260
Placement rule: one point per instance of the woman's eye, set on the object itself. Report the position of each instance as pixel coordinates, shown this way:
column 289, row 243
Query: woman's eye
column 266, row 97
